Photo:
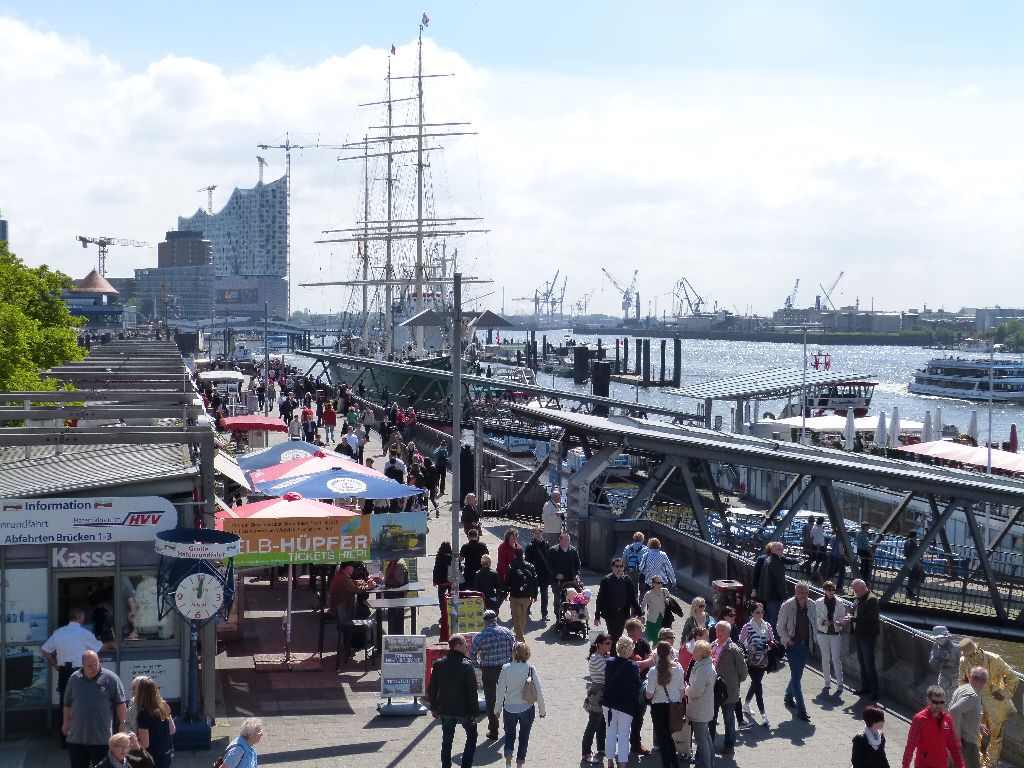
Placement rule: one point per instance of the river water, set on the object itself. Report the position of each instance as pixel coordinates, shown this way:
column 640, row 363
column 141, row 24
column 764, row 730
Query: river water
column 891, row 367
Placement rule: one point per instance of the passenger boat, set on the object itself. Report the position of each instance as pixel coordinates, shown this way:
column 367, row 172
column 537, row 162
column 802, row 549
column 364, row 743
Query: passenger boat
column 967, row 379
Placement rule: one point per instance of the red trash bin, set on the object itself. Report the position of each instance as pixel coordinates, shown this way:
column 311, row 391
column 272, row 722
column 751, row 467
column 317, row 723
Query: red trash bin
column 477, row 601
column 729, row 593
column 434, row 653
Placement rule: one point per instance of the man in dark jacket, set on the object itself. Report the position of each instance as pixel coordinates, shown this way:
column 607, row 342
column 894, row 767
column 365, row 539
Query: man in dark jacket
column 771, row 590
column 470, row 554
column 453, row 699
column 537, row 556
column 521, row 583
column 616, row 599
column 563, row 560
column 866, row 626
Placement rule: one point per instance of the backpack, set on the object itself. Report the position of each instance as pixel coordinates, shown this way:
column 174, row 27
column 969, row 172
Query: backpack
column 521, row 579
column 634, row 552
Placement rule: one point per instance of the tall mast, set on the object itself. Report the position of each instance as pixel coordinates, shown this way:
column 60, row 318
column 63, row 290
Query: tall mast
column 389, row 274
column 287, row 228
column 366, row 241
column 419, row 190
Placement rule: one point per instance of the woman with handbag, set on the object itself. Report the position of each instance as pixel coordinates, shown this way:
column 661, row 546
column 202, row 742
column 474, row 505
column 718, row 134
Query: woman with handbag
column 620, row 701
column 520, row 697
column 665, row 693
column 600, row 650
column 756, row 638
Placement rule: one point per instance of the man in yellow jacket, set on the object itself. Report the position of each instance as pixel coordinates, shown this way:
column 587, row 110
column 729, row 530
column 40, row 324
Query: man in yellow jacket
column 997, row 695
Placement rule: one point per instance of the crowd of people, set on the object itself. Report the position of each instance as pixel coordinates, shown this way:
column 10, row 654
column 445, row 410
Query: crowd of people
column 689, row 684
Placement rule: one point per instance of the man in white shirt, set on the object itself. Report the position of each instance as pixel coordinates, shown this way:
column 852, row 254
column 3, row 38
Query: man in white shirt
column 553, row 517
column 66, row 646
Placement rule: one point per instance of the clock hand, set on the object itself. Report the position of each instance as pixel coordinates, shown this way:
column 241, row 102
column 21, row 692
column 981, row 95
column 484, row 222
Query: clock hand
column 199, row 591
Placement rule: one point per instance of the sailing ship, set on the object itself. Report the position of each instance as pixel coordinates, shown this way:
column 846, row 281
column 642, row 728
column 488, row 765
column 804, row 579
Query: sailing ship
column 403, row 270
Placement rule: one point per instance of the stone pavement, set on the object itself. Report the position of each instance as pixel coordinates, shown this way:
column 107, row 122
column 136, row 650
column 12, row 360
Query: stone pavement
column 320, row 718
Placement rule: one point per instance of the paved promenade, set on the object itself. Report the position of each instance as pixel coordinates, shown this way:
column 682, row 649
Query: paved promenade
column 320, row 718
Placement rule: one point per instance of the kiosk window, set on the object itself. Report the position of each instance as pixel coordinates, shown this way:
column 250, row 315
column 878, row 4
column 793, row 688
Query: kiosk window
column 94, row 595
column 142, row 609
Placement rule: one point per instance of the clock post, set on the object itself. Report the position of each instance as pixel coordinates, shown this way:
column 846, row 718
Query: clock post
column 191, row 582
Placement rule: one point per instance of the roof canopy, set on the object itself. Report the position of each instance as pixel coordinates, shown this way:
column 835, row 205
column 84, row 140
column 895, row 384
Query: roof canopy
column 968, row 454
column 94, row 282
column 767, row 385
column 835, row 423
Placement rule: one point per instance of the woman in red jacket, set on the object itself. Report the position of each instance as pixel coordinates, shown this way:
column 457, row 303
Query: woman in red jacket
column 507, row 552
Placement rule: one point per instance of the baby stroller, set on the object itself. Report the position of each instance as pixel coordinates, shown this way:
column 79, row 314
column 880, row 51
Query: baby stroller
column 573, row 617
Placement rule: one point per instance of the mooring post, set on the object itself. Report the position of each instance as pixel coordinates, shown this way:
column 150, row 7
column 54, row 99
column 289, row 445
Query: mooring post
column 647, row 362
column 661, row 373
column 617, row 362
column 625, row 354
column 639, row 356
column 677, row 363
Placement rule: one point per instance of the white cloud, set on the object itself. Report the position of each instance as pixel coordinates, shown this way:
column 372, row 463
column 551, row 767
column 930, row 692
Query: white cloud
column 741, row 182
column 969, row 91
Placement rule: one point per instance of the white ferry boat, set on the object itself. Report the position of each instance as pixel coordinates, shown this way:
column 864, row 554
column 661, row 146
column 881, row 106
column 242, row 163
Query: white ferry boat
column 967, row 379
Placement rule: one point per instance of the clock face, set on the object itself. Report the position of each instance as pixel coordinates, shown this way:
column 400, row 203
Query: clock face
column 199, row 596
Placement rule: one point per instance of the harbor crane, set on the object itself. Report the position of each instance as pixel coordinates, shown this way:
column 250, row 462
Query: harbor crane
column 104, row 242
column 828, row 291
column 262, row 162
column 791, row 299
column 581, row 305
column 695, row 303
column 629, row 297
column 209, row 197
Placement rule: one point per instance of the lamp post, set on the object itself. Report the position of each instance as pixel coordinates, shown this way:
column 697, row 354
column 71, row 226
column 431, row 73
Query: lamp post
column 803, row 396
column 988, row 467
column 456, row 450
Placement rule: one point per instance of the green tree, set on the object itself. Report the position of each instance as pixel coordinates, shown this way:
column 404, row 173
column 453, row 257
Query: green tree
column 37, row 331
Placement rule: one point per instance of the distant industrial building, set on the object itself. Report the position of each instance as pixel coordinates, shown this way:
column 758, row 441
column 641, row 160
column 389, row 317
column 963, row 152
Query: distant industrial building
column 991, row 317
column 248, row 238
column 3, row 230
column 184, row 249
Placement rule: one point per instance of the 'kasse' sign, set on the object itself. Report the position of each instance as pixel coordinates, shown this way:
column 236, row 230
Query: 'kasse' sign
column 329, row 539
column 85, row 521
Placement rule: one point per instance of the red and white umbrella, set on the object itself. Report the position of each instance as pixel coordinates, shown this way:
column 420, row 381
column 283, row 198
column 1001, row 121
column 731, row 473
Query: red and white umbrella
column 321, row 461
column 252, row 423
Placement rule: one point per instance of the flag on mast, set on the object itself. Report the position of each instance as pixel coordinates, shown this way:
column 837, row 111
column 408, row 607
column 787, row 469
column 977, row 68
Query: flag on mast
column 426, row 20
column 393, row 51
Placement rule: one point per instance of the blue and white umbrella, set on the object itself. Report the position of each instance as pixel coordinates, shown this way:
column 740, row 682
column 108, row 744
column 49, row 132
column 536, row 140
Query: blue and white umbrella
column 277, row 454
column 339, row 484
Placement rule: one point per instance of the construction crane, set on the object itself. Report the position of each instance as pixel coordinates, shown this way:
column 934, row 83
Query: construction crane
column 828, row 291
column 581, row 305
column 558, row 299
column 288, row 147
column 791, row 299
column 104, row 242
column 209, row 197
column 535, row 299
column 629, row 297
column 695, row 303
column 262, row 162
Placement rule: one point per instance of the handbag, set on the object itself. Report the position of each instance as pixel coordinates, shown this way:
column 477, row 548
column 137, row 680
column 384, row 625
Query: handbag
column 529, row 694
column 721, row 692
column 592, row 703
column 774, row 655
column 676, row 714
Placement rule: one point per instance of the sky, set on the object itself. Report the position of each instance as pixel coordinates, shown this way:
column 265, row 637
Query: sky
column 742, row 146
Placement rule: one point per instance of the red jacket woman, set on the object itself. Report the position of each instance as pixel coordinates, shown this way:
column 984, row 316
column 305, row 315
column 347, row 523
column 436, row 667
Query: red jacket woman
column 507, row 552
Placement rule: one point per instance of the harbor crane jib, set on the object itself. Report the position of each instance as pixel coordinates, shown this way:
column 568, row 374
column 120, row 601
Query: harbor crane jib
column 683, row 290
column 629, row 297
column 104, row 242
column 791, row 299
column 828, row 291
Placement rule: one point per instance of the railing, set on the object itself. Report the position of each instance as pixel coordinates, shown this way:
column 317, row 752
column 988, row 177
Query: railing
column 948, row 585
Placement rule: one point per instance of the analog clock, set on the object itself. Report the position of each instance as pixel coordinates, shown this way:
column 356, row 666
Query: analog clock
column 199, row 596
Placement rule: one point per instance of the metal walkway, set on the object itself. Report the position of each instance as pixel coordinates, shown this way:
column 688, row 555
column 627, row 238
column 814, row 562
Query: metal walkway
column 679, row 460
column 439, row 384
